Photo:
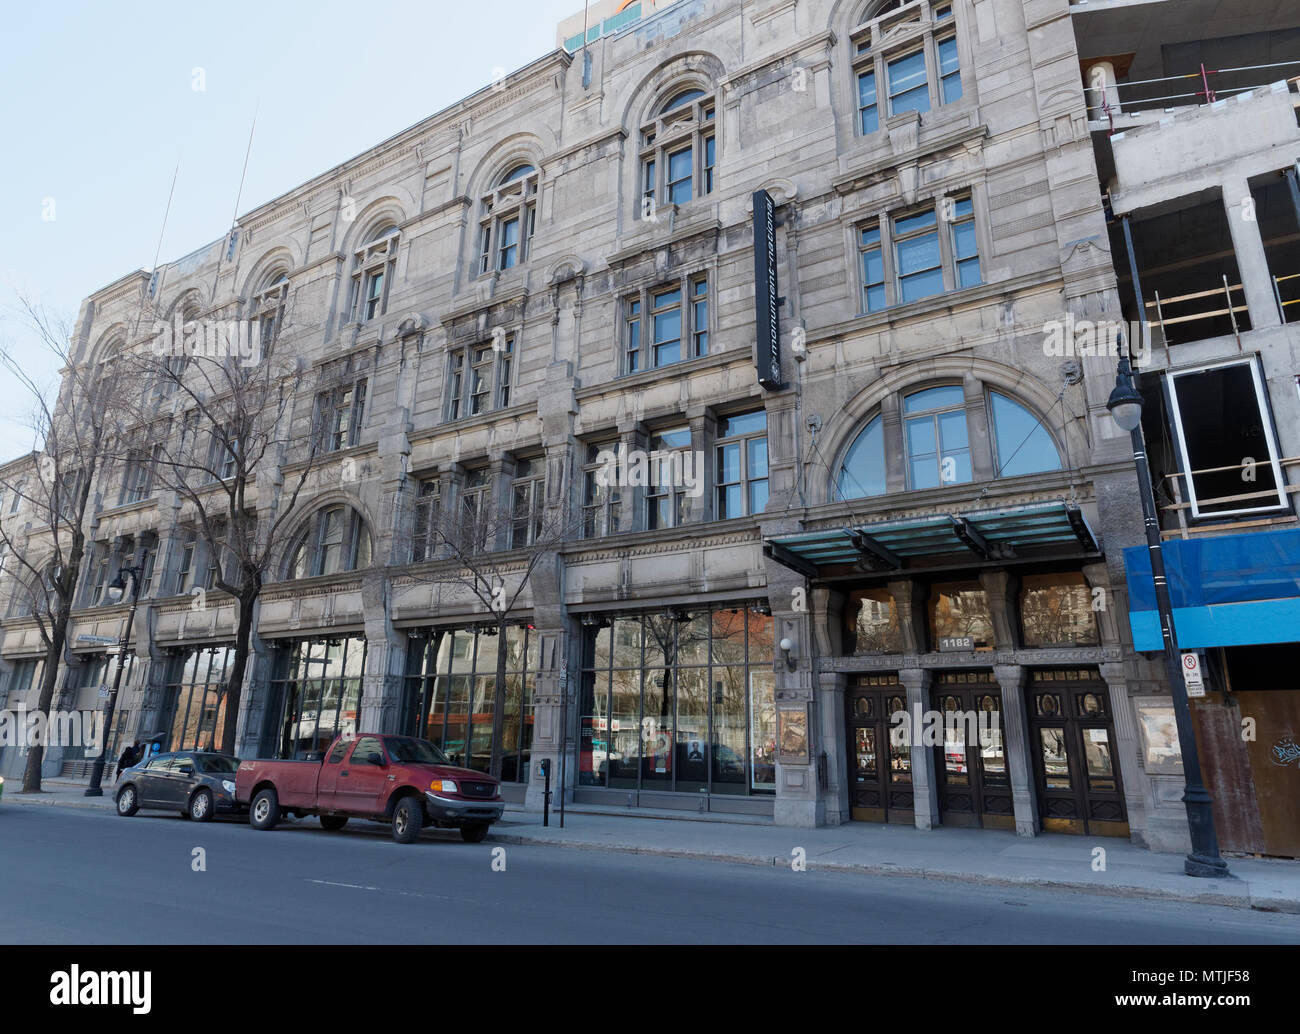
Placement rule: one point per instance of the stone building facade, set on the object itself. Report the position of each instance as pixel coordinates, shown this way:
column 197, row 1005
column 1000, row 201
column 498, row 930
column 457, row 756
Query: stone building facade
column 927, row 513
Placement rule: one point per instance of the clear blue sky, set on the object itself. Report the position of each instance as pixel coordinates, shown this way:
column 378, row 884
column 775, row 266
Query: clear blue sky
column 99, row 107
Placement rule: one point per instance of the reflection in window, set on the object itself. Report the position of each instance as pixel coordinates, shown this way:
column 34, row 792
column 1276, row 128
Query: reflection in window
column 873, row 622
column 1056, row 763
column 934, row 431
column 1056, row 610
column 1023, row 444
column 863, row 471
column 961, row 610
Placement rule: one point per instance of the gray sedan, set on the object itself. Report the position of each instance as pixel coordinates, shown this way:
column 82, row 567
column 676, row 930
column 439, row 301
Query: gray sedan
column 195, row 783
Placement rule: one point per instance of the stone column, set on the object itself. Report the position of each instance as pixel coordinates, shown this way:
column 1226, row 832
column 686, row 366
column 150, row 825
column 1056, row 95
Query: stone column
column 382, row 683
column 1102, row 93
column 1127, row 745
column 913, row 624
column 1252, row 263
column 1001, row 590
column 830, row 706
column 1017, row 744
column 925, row 787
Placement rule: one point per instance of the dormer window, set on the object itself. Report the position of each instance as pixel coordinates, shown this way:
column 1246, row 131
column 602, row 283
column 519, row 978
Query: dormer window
column 372, row 267
column 509, row 217
column 679, row 151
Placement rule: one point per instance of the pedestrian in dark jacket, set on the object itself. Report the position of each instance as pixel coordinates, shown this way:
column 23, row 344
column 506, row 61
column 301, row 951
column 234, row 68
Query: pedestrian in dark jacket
column 129, row 757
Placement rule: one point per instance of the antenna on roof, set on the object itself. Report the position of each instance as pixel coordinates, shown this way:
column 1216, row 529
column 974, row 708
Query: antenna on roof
column 152, row 289
column 232, row 237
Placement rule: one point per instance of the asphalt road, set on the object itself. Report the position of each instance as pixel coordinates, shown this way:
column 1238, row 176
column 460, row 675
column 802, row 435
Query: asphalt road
column 72, row 876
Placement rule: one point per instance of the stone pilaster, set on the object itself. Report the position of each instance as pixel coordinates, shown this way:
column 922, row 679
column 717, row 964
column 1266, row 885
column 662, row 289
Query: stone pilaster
column 925, row 787
column 1017, row 744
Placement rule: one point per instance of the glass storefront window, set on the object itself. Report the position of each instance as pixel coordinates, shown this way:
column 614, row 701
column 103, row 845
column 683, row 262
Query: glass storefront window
column 316, row 694
column 1056, row 610
column 1056, row 762
column 450, row 695
column 678, row 700
column 900, row 742
column 873, row 622
column 960, row 610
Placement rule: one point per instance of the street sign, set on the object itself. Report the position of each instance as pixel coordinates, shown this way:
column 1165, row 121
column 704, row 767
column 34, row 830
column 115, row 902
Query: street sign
column 1192, row 675
column 97, row 640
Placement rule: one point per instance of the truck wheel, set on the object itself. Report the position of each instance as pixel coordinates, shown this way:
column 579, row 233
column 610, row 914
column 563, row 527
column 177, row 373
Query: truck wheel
column 473, row 834
column 201, row 806
column 408, row 817
column 127, row 802
column 265, row 811
column 333, row 822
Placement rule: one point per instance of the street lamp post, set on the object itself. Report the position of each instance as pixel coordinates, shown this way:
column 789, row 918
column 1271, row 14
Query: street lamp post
column 1125, row 405
column 115, row 592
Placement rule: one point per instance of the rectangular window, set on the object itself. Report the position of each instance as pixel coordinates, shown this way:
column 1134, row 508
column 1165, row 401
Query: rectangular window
column 949, row 73
column 868, row 112
column 873, row 268
column 917, row 257
column 648, row 182
column 374, row 294
column 908, row 89
column 474, row 509
column 700, row 317
column 965, row 250
column 601, row 498
column 505, row 362
column 710, row 160
column 1226, row 440
column 344, row 410
column 681, row 173
column 740, row 465
column 480, row 380
column 455, row 384
column 484, row 247
column 101, row 576
column 666, row 318
column 666, row 499
column 147, row 560
column 527, row 490
column 427, row 509
column 509, row 244
column 632, row 335
column 185, row 569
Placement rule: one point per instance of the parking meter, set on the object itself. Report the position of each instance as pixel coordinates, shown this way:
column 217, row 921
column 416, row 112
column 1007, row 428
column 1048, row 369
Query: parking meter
column 546, row 791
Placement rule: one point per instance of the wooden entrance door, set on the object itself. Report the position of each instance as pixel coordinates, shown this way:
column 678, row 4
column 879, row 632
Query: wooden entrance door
column 1275, row 766
column 879, row 751
column 974, row 782
column 1073, row 744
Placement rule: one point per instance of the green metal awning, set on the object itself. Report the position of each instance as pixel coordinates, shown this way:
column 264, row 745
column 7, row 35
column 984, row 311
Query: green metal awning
column 1007, row 534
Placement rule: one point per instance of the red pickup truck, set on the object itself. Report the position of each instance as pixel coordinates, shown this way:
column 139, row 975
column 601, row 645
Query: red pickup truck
column 399, row 779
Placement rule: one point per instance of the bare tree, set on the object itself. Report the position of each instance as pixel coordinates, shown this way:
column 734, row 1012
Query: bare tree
column 75, row 430
column 493, row 551
column 218, row 421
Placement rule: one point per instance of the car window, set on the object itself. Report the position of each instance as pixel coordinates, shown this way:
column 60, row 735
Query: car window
column 413, row 751
column 365, row 746
column 159, row 765
column 339, row 752
column 216, row 764
column 179, row 763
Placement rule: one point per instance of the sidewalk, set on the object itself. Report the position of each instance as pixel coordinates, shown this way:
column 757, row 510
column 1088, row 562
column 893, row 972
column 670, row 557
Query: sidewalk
column 984, row 856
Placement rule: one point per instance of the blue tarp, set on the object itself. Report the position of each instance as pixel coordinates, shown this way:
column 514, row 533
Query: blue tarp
column 1230, row 590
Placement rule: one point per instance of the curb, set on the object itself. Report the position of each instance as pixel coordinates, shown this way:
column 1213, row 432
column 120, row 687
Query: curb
column 1228, row 899
column 37, row 801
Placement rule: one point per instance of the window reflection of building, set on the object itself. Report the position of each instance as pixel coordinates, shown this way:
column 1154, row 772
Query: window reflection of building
column 450, row 695
column 195, row 697
column 315, row 695
column 1056, row 610
column 654, row 684
column 873, row 622
column 961, row 610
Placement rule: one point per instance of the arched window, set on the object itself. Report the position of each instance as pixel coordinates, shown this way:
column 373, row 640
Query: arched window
column 678, row 151
column 372, row 266
column 935, row 444
column 507, row 219
column 862, row 472
column 335, row 540
column 268, row 307
column 1022, row 445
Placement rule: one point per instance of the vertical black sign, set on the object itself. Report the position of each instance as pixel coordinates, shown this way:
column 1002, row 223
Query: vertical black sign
column 766, row 309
